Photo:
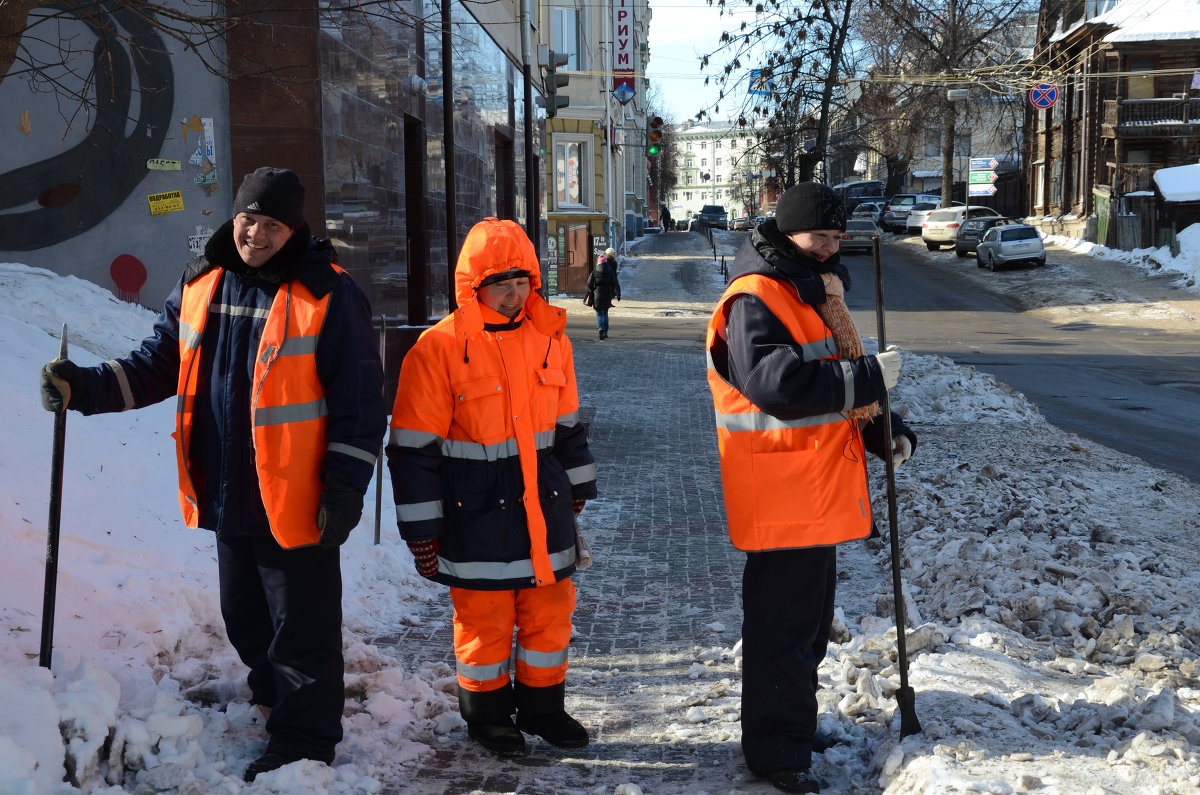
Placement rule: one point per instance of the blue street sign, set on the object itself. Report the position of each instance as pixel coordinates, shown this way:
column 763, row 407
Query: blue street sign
column 983, row 163
column 981, row 190
column 1043, row 95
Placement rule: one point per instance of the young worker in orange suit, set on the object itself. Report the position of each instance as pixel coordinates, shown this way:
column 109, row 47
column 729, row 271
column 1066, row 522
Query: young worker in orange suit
column 489, row 466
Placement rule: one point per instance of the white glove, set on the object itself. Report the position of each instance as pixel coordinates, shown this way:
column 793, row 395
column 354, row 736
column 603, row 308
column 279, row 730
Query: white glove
column 901, row 450
column 889, row 366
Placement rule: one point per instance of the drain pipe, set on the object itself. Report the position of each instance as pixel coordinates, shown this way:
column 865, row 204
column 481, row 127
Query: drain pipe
column 532, row 216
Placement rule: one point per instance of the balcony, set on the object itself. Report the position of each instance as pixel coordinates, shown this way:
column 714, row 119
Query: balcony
column 1135, row 176
column 1162, row 117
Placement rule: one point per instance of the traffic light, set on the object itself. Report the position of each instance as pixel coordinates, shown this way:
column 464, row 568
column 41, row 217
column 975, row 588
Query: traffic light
column 654, row 135
column 555, row 81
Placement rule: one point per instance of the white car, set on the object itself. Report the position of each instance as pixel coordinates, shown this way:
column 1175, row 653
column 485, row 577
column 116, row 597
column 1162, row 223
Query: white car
column 941, row 226
column 1008, row 245
column 860, row 235
column 916, row 216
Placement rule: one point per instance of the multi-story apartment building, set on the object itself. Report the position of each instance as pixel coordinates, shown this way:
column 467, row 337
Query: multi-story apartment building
column 717, row 163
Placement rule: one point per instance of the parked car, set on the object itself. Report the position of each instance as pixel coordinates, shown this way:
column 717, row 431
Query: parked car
column 860, row 190
column 713, row 216
column 973, row 230
column 868, row 209
column 1011, row 244
column 741, row 223
column 941, row 227
column 916, row 216
column 860, row 235
column 681, row 225
column 895, row 212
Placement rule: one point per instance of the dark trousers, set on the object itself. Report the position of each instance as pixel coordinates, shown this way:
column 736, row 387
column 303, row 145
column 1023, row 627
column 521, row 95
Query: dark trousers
column 283, row 614
column 787, row 600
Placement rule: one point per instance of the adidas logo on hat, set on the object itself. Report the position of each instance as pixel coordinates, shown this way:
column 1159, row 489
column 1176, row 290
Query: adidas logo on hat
column 253, row 207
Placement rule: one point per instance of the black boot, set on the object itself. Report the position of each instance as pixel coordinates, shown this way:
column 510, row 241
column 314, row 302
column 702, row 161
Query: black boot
column 489, row 720
column 793, row 780
column 540, row 711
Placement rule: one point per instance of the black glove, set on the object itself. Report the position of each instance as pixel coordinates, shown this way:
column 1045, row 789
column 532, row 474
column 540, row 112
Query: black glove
column 339, row 512
column 62, row 383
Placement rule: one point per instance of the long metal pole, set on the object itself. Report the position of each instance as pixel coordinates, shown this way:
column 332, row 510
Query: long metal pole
column 52, row 524
column 905, row 696
column 379, row 459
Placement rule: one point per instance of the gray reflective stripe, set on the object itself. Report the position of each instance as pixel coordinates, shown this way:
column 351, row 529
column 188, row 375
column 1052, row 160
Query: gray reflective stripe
column 758, row 421
column 569, row 420
column 820, row 349
column 583, row 474
column 848, row 380
column 296, row 412
column 481, row 673
column 403, row 437
column 474, row 451
column 419, row 511
column 241, row 311
column 188, row 335
column 492, row 570
column 296, row 346
column 352, row 451
column 123, row 382
column 544, row 439
column 541, row 659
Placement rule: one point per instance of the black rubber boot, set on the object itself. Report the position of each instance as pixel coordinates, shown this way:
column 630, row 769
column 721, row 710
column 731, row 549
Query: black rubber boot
column 793, row 780
column 489, row 720
column 541, row 711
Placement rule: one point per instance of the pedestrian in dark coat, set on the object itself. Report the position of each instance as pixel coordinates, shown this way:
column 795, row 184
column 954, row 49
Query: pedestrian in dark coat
column 797, row 406
column 603, row 288
column 266, row 345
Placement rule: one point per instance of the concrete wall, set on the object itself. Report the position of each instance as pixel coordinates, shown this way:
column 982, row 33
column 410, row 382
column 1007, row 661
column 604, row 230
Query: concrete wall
column 75, row 176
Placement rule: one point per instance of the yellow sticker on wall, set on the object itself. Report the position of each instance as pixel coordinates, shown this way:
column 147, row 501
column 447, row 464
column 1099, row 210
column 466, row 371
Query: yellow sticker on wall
column 169, row 202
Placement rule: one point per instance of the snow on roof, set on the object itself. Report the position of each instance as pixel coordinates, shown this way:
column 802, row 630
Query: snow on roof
column 1179, row 183
column 1144, row 20
column 1153, row 20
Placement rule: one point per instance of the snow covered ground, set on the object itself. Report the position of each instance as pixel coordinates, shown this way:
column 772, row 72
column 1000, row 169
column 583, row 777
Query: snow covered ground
column 1050, row 582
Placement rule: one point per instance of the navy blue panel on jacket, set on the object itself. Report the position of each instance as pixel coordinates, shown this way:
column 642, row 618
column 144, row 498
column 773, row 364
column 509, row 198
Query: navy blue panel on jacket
column 222, row 452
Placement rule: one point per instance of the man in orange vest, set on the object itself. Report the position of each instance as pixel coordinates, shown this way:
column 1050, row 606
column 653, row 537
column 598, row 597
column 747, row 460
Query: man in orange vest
column 796, row 403
column 266, row 345
column 489, row 466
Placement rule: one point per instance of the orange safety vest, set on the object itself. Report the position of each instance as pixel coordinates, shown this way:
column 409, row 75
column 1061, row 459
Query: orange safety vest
column 788, row 483
column 287, row 405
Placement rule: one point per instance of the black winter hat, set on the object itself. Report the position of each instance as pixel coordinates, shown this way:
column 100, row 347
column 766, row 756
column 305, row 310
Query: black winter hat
column 808, row 206
column 276, row 192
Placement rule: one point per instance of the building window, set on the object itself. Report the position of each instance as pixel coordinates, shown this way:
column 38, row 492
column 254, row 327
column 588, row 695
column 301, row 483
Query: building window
column 733, row 144
column 689, row 179
column 571, row 188
column 1039, row 186
column 565, row 35
column 1141, row 86
column 704, row 144
column 717, row 145
column 689, row 146
column 688, row 195
column 704, row 161
column 718, row 162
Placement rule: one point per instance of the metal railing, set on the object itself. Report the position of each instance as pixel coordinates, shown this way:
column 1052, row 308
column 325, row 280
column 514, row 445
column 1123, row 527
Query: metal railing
column 1145, row 112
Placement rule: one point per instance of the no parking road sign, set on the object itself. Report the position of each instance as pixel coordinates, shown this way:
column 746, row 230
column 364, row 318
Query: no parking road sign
column 1043, row 95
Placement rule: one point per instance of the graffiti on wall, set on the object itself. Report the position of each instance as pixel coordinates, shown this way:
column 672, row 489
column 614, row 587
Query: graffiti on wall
column 77, row 189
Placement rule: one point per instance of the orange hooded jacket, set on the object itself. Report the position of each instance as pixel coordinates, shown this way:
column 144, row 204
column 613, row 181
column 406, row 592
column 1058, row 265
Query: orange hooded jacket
column 486, row 450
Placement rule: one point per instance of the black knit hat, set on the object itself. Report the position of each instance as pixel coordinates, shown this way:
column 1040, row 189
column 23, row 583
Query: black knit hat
column 276, row 192
column 511, row 273
column 809, row 206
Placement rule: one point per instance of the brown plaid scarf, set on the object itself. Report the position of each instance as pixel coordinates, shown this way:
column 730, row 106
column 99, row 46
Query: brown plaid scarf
column 849, row 344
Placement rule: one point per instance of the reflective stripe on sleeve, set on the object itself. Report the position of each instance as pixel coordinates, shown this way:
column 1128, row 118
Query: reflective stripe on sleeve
column 352, row 451
column 404, row 437
column 123, row 382
column 583, row 474
column 474, row 451
column 568, row 420
column 188, row 335
column 242, row 311
column 544, row 439
column 419, row 511
column 848, row 380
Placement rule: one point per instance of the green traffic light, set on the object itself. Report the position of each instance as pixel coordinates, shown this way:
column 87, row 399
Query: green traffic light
column 654, row 149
